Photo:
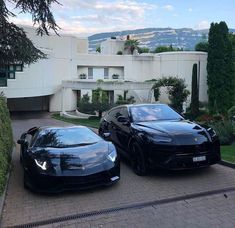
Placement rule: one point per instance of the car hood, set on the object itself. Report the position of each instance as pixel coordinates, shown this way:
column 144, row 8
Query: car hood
column 74, row 158
column 181, row 131
column 171, row 127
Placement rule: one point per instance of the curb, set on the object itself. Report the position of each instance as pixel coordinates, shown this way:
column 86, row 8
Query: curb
column 228, row 164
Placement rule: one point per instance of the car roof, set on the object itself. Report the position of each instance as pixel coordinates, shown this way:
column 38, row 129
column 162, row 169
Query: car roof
column 136, row 105
column 60, row 127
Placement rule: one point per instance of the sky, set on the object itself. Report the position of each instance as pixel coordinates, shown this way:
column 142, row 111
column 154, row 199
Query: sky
column 89, row 17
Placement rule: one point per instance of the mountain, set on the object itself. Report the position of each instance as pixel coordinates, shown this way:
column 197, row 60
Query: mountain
column 185, row 38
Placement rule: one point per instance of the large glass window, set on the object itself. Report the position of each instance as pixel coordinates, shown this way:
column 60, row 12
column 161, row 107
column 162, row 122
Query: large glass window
column 90, row 73
column 106, row 73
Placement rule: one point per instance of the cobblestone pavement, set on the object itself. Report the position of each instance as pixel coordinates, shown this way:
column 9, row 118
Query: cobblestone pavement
column 217, row 210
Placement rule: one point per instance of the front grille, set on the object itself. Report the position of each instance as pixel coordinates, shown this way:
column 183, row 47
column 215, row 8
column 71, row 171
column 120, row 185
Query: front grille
column 183, row 149
column 78, row 181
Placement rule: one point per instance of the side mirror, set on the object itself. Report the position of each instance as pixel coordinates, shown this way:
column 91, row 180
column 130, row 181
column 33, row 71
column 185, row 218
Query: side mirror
column 22, row 142
column 122, row 119
column 106, row 135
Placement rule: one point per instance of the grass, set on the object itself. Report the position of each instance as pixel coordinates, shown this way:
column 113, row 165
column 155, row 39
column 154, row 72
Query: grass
column 228, row 153
column 85, row 122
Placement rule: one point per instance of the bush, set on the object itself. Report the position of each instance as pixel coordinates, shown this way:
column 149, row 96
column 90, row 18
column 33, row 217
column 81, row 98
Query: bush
column 6, row 142
column 224, row 130
column 231, row 112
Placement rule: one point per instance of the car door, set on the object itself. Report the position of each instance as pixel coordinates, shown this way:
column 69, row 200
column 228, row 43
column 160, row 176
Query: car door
column 123, row 129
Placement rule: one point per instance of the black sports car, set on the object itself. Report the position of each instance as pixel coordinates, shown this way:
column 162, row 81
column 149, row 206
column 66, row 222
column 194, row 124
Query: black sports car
column 56, row 159
column 156, row 135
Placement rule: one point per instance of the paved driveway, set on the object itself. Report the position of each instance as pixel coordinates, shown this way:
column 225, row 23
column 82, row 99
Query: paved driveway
column 198, row 198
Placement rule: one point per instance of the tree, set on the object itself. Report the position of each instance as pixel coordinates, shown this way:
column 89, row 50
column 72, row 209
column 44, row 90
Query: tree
column 160, row 49
column 220, row 69
column 194, row 93
column 143, row 50
column 176, row 89
column 98, row 49
column 202, row 46
column 100, row 101
column 15, row 47
column 131, row 45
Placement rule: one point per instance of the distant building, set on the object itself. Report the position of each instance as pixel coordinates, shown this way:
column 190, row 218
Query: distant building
column 56, row 83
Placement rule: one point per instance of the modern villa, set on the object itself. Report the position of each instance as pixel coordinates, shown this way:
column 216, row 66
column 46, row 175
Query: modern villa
column 70, row 71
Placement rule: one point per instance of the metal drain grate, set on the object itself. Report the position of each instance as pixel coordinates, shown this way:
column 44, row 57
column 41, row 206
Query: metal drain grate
column 122, row 208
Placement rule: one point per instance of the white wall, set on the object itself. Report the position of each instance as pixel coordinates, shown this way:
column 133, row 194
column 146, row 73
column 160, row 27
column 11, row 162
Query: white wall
column 66, row 53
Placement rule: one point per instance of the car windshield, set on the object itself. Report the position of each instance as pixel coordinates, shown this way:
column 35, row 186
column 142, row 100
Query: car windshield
column 67, row 137
column 143, row 113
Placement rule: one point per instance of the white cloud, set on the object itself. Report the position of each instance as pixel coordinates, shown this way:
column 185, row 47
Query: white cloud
column 190, row 10
column 203, row 25
column 168, row 7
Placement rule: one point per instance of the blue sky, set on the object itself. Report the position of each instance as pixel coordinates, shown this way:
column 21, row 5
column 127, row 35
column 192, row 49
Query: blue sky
column 94, row 16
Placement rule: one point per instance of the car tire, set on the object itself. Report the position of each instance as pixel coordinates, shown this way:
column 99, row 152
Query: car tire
column 138, row 161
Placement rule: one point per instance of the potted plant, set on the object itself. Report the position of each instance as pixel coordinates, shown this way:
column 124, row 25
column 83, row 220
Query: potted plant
column 82, row 76
column 115, row 76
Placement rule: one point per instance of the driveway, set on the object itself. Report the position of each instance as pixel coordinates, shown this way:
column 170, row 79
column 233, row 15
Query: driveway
column 198, row 198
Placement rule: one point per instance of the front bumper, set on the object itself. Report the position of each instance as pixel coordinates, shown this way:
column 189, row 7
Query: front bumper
column 179, row 159
column 41, row 182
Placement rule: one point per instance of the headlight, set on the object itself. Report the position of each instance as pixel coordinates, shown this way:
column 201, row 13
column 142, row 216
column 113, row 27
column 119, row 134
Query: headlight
column 211, row 132
column 112, row 154
column 41, row 164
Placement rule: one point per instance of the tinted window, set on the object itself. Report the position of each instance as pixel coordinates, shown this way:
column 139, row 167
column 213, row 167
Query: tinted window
column 153, row 112
column 66, row 137
column 124, row 112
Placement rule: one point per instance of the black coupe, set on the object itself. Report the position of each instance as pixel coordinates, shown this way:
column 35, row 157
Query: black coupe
column 156, row 135
column 64, row 158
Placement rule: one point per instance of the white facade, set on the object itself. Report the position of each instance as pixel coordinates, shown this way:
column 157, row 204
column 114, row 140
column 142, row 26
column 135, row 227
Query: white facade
column 69, row 60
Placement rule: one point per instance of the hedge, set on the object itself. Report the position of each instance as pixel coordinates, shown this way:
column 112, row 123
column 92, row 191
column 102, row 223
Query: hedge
column 6, row 142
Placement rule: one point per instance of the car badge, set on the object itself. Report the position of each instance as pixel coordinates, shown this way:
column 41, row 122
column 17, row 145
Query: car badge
column 195, row 139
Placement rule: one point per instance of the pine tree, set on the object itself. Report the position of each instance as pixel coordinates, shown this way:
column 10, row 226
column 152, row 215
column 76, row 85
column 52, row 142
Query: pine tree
column 220, row 69
column 15, row 47
column 194, row 92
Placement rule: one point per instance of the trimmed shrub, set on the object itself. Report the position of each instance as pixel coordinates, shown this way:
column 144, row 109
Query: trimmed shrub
column 6, row 142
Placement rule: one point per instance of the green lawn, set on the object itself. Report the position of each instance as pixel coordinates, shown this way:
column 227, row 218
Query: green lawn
column 228, row 153
column 85, row 122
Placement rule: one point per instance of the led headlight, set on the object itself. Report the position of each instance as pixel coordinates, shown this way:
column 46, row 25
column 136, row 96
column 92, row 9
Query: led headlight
column 41, row 164
column 112, row 154
column 212, row 132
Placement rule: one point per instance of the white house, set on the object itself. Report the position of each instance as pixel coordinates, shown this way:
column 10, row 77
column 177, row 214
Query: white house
column 56, row 83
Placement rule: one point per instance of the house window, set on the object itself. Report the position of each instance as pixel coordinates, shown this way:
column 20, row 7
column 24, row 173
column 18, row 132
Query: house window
column 19, row 67
column 106, row 73
column 90, row 73
column 3, row 79
column 11, row 75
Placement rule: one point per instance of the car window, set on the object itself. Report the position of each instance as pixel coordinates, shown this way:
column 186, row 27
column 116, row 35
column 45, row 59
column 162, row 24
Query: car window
column 67, row 137
column 143, row 113
column 124, row 112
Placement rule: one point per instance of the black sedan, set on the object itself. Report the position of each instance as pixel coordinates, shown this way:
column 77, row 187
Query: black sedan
column 56, row 159
column 155, row 135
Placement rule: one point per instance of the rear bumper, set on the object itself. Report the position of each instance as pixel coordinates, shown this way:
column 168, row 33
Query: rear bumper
column 54, row 184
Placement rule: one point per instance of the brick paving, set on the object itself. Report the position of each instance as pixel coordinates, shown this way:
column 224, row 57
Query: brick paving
column 22, row 206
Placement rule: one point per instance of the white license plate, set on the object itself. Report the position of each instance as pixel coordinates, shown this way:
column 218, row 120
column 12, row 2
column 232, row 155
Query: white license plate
column 198, row 159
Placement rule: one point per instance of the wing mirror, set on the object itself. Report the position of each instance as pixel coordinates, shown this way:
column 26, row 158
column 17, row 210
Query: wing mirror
column 106, row 135
column 22, row 142
column 123, row 120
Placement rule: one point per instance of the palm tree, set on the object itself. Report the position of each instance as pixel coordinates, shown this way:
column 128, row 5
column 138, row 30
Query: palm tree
column 131, row 45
